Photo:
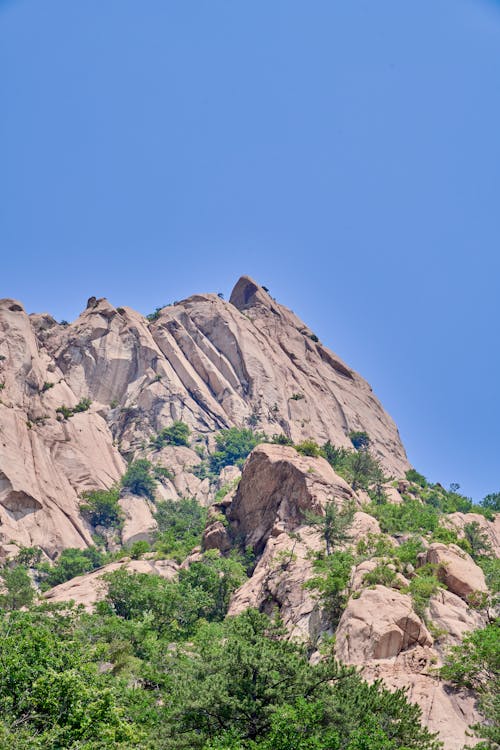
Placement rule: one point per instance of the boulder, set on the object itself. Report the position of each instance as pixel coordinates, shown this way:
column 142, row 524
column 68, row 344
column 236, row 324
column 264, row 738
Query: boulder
column 456, row 569
column 277, row 488
column 380, row 624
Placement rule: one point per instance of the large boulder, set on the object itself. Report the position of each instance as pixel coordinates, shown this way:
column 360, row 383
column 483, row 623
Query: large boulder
column 456, row 569
column 277, row 488
column 379, row 624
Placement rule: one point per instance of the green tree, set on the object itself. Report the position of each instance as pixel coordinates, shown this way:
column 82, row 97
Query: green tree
column 233, row 446
column 491, row 502
column 101, row 508
column 138, row 479
column 333, row 524
column 180, row 526
column 177, row 434
column 250, row 686
column 19, row 591
column 475, row 664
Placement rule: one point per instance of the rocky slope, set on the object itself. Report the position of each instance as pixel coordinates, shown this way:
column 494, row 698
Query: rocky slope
column 210, row 363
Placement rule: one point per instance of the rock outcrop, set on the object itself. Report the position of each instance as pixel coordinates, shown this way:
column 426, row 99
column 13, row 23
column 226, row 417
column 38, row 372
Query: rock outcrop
column 380, row 624
column 211, row 363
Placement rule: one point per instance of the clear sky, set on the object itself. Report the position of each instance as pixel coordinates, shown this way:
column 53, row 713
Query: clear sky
column 345, row 153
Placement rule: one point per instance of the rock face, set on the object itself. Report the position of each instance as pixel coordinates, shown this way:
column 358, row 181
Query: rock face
column 380, row 624
column 211, row 363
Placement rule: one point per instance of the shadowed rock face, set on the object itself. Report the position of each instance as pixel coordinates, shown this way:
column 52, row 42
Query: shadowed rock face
column 211, row 363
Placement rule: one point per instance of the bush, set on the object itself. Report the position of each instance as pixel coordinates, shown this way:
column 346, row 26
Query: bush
column 422, row 586
column 232, row 447
column 70, row 563
column 67, row 412
column 180, row 527
column 308, row 448
column 382, row 574
column 475, row 665
column 416, row 478
column 101, row 508
column 19, row 591
column 138, row 479
column 411, row 516
column 177, row 434
column 360, row 440
column 333, row 575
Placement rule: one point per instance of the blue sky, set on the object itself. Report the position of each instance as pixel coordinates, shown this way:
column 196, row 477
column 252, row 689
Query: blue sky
column 344, row 153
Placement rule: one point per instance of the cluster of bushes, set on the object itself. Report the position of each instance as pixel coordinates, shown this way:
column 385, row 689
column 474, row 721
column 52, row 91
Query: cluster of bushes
column 67, row 411
column 232, row 447
column 177, row 434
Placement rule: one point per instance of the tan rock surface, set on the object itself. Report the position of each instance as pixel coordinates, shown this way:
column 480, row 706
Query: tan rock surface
column 210, row 363
column 456, row 569
column 446, row 711
column 277, row 584
column 277, row 487
column 380, row 624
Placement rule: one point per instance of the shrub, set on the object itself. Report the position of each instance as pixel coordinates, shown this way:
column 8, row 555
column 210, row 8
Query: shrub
column 101, row 508
column 68, row 412
column 180, row 526
column 156, row 314
column 333, row 524
column 138, row 549
column 333, row 575
column 411, row 516
column 281, row 439
column 422, row 586
column 18, row 589
column 414, row 476
column 138, row 479
column 177, row 434
column 233, row 446
column 46, row 386
column 297, row 396
column 360, row 440
column 70, row 563
column 382, row 574
column 475, row 665
column 308, row 448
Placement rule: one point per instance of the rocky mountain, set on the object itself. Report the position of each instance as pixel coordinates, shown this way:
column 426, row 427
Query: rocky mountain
column 333, row 529
column 210, row 363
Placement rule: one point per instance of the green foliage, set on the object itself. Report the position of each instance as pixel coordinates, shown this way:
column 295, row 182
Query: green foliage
column 70, row 563
column 308, row 448
column 139, row 548
column 51, row 693
column 29, row 556
column 475, row 664
column 491, row 502
column 156, row 314
column 477, row 540
column 416, row 478
column 19, row 591
column 382, row 574
column 408, row 551
column 138, row 479
column 101, row 508
column 160, row 472
column 281, row 439
column 360, row 440
column 67, row 412
column 180, row 527
column 411, row 516
column 46, row 386
column 233, row 446
column 333, row 524
column 374, row 545
column 297, row 396
column 251, row 688
column 422, row 586
column 177, row 434
column 333, row 573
